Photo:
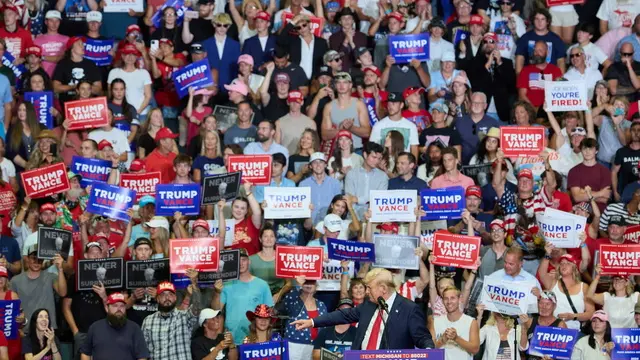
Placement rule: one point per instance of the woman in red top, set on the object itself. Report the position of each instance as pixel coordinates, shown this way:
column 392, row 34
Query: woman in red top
column 248, row 217
column 14, row 346
column 163, row 63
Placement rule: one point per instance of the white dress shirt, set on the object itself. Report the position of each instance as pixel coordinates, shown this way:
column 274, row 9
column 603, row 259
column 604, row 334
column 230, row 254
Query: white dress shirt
column 306, row 56
column 220, row 45
column 385, row 317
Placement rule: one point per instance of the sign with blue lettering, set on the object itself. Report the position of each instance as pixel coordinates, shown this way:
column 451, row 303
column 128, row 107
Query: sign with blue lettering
column 43, row 102
column 178, row 5
column 270, row 350
column 627, row 344
column 553, row 341
column 508, row 297
column 443, row 204
column 91, row 170
column 430, row 354
column 350, row 250
column 197, row 75
column 98, row 51
column 111, row 201
column 18, row 70
column 559, row 232
column 177, row 197
column 287, row 203
column 9, row 310
column 405, row 48
column 371, row 110
column 393, row 205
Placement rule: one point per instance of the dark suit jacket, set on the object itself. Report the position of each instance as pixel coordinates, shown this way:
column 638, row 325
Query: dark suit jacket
column 228, row 65
column 501, row 84
column 252, row 47
column 405, row 325
column 294, row 44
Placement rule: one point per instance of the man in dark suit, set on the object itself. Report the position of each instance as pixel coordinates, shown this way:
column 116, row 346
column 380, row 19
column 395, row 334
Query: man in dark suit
column 404, row 319
column 299, row 39
column 253, row 45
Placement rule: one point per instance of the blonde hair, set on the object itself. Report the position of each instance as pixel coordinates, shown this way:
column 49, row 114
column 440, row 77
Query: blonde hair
column 575, row 272
column 162, row 237
column 222, row 18
column 451, row 288
column 215, row 134
column 383, row 276
column 246, row 3
column 508, row 321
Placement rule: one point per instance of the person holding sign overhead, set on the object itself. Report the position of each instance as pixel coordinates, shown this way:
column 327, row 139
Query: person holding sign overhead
column 618, row 302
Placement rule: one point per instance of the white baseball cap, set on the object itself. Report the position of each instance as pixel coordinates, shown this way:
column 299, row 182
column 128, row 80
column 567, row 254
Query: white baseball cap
column 333, row 222
column 207, row 314
column 158, row 221
column 53, row 14
column 317, row 156
column 94, row 16
column 448, row 56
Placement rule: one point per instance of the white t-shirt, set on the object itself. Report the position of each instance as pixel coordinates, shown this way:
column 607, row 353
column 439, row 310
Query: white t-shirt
column 500, row 26
column 594, row 56
column 619, row 13
column 436, row 49
column 403, row 126
column 116, row 137
column 590, row 76
column 8, row 169
column 135, row 81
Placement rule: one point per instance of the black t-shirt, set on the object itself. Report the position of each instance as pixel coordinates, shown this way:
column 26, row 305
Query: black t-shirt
column 28, row 349
column 321, row 104
column 620, row 72
column 447, row 136
column 453, row 27
column 69, row 72
column 141, row 309
column 87, row 307
column 201, row 29
column 329, row 339
column 492, row 5
column 174, row 35
column 296, row 162
column 275, row 109
column 202, row 345
column 297, row 76
column 147, row 143
column 628, row 160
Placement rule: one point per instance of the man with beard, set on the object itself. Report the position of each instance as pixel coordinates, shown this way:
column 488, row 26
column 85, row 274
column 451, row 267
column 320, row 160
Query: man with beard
column 100, row 342
column 530, row 82
column 266, row 143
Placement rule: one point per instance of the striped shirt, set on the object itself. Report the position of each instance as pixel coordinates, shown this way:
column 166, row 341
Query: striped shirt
column 617, row 209
column 532, row 206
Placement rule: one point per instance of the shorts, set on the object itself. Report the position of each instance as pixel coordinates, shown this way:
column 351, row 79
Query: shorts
column 564, row 18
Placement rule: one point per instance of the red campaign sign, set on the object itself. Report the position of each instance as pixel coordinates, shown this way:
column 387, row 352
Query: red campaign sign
column 202, row 254
column 87, row 113
column 292, row 261
column 632, row 234
column 456, row 250
column 551, row 3
column 518, row 141
column 143, row 184
column 316, row 22
column 619, row 259
column 46, row 181
column 7, row 201
column 255, row 169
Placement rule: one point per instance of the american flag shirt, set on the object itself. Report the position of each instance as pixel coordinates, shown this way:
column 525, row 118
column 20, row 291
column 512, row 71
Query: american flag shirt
column 536, row 81
column 532, row 206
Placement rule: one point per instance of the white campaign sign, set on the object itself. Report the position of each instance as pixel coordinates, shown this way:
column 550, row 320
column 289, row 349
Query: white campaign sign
column 287, row 203
column 230, row 225
column 123, row 6
column 579, row 222
column 331, row 274
column 560, row 232
column 393, row 205
column 507, row 297
column 565, row 95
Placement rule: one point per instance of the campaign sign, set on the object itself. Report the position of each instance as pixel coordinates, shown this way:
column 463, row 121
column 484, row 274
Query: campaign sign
column 393, row 205
column 218, row 187
column 45, row 181
column 565, row 95
column 146, row 273
column 506, row 297
column 196, row 75
column 287, row 203
column 292, row 261
column 7, row 201
column 456, row 250
column 627, row 344
column 177, row 197
column 632, row 234
column 9, row 311
column 396, row 251
column 371, row 110
column 411, row 354
column 99, row 51
column 53, row 241
column 87, row 113
column 443, row 204
column 560, row 232
column 43, row 102
column 178, row 5
column 331, row 275
column 255, row 169
column 108, row 272
column 230, row 225
column 405, row 48
column 316, row 23
column 551, row 3
column 328, row 355
column 271, row 350
column 461, row 35
column 553, row 341
column 580, row 222
column 110, row 201
column 91, row 170
column 228, row 269
column 123, row 6
column 516, row 141
column 18, row 70
column 202, row 254
column 143, row 184
column 350, row 250
column 620, row 259
column 428, row 230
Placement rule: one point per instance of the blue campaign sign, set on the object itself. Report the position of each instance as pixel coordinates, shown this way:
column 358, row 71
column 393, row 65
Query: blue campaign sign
column 92, row 170
column 177, row 197
column 350, row 250
column 7, row 60
column 111, row 201
column 43, row 102
column 627, row 344
column 9, row 310
column 460, row 35
column 98, row 51
column 270, row 350
column 553, row 341
column 405, row 48
column 197, row 74
column 430, row 354
column 176, row 4
column 443, row 204
column 371, row 110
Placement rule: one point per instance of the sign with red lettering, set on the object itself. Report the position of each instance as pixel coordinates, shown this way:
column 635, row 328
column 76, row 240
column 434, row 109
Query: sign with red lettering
column 255, row 169
column 518, row 141
column 393, row 205
column 632, row 234
column 287, row 203
column 46, row 181
column 7, row 201
column 316, row 23
column 620, row 259
column 551, row 3
column 142, row 183
column 565, row 95
column 202, row 254
column 292, row 261
column 87, row 113
column 456, row 250
column 123, row 6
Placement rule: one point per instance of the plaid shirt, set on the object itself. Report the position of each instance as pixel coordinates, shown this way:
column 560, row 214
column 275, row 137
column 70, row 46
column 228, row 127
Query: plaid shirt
column 169, row 337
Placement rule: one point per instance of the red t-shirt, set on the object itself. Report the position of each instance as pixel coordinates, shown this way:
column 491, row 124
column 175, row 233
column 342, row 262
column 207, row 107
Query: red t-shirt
column 532, row 79
column 8, row 198
column 594, row 244
column 633, row 108
column 421, row 118
column 312, row 315
column 167, row 96
column 17, row 41
column 246, row 236
column 562, row 201
column 162, row 163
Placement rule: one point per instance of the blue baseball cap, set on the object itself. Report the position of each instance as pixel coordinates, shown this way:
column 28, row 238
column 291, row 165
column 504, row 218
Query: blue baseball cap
column 439, row 106
column 332, row 6
column 147, row 199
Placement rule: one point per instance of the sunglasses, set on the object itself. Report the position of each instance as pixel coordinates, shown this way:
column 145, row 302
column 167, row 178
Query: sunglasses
column 222, row 25
column 337, row 60
column 489, row 41
column 575, row 55
column 505, row 3
column 626, row 54
column 303, row 25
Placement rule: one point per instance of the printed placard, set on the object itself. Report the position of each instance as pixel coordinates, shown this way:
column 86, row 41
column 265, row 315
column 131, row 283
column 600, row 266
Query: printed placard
column 632, row 234
column 177, row 197
column 230, row 226
column 142, row 183
column 123, row 6
column 227, row 116
column 196, row 75
column 86, row 113
column 480, row 173
column 9, row 311
column 18, row 70
column 91, row 170
column 331, row 275
column 99, row 51
column 627, row 343
column 507, row 297
column 228, row 269
column 443, row 204
column 316, row 23
column 218, row 187
column 52, row 241
column 287, row 203
column 461, row 35
column 45, row 181
column 146, row 273
column 255, row 169
column 428, row 230
column 456, row 250
column 371, row 110
column 565, row 95
column 560, row 232
column 396, row 251
column 580, row 222
column 350, row 250
column 620, row 259
column 111, row 201
column 108, row 272
column 292, row 261
column 429, row 354
column 553, row 341
column 516, row 141
column 393, row 205
column 43, row 102
column 405, row 48
column 8, row 201
column 202, row 254
column 276, row 350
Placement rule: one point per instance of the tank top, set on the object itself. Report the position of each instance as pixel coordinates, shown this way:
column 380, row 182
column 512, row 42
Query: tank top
column 351, row 112
column 563, row 305
column 246, row 33
column 620, row 310
column 463, row 327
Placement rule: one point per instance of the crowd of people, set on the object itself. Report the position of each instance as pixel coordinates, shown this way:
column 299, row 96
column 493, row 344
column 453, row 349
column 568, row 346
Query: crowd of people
column 313, row 85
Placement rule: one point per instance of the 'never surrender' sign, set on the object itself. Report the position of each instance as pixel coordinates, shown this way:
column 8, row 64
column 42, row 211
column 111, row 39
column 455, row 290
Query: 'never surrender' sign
column 620, row 259
column 456, row 250
column 110, row 201
column 255, row 169
column 350, row 250
column 443, row 204
column 405, row 48
column 86, row 113
column 292, row 261
column 46, row 181
column 91, row 170
column 177, row 197
column 553, row 341
column 565, row 95
column 196, row 75
column 516, row 141
column 393, row 205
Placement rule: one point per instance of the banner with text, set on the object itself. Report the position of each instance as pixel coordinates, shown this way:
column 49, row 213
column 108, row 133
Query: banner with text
column 18, row 70
column 516, row 141
column 350, row 250
column 142, row 183
column 443, row 204
column 53, row 241
column 146, row 273
column 99, row 51
column 271, row 350
column 8, row 201
column 45, row 181
column 507, row 297
column 111, row 201
column 123, row 6
column 197, row 75
column 43, row 102
column 202, row 254
column 228, row 269
column 565, row 95
column 620, row 259
column 405, row 48
column 292, row 261
column 108, row 272
column 408, row 354
column 331, row 274
column 559, row 232
column 627, row 344
column 456, row 250
column 218, row 187
column 393, row 205
column 428, row 230
column 230, row 225
column 91, row 170
column 255, row 169
column 632, row 234
column 177, row 197
column 87, row 113
column 371, row 110
column 551, row 3
column 555, row 342
column 396, row 251
column 9, row 311
column 287, row 203
column 178, row 5
column 580, row 222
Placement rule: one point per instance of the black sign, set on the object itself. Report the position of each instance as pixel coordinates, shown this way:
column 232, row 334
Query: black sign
column 53, row 241
column 223, row 186
column 229, row 268
column 480, row 173
column 147, row 273
column 109, row 272
column 328, row 355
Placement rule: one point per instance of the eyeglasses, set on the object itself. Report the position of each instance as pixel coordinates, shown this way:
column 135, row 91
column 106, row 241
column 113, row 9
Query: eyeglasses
column 303, row 25
column 170, row 14
column 575, row 55
column 497, row 231
column 626, row 54
column 222, row 25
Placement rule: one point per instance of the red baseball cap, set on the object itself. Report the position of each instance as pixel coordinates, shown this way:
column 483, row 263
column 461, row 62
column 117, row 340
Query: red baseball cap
column 473, row 191
column 3, row 272
column 525, row 173
column 491, row 36
column 388, row 226
column 47, row 207
column 103, row 144
column 73, row 40
column 11, row 7
column 132, row 28
column 165, row 41
column 263, row 15
column 130, row 49
column 295, row 95
column 345, row 133
column 165, row 133
column 396, row 15
column 373, row 69
column 476, row 20
column 412, row 90
column 569, row 258
column 165, row 286
column 202, row 223
column 497, row 223
column 34, row 50
column 494, row 164
column 136, row 165
column 115, row 298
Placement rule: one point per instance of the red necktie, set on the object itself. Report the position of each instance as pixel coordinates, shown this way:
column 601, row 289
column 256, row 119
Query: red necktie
column 375, row 333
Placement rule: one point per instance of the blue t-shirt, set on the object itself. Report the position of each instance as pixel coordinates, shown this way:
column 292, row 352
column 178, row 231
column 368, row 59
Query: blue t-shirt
column 490, row 197
column 525, row 45
column 138, row 232
column 208, row 166
column 470, row 133
column 240, row 297
column 10, row 249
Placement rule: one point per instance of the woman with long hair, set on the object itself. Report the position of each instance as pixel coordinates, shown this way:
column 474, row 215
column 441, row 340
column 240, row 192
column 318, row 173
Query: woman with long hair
column 125, row 115
column 613, row 128
column 433, row 162
column 169, row 29
column 210, row 161
column 356, row 291
column 230, row 149
column 45, row 152
column 261, row 326
column 618, row 302
column 598, row 343
column 487, row 153
column 138, row 81
column 210, row 123
column 460, row 96
column 263, row 263
column 343, row 159
column 41, row 343
column 498, row 335
column 342, row 206
column 22, row 136
column 393, row 146
column 299, row 162
column 148, row 131
column 160, row 234
column 194, row 114
column 246, row 212
column 523, row 113
column 245, row 19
